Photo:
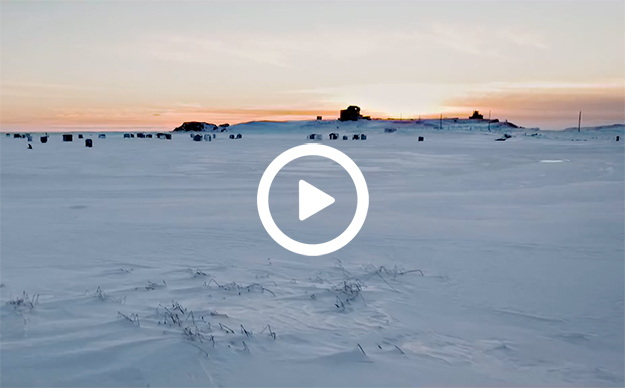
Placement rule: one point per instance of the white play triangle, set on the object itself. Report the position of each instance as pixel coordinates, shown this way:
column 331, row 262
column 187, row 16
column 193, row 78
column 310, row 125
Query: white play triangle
column 311, row 200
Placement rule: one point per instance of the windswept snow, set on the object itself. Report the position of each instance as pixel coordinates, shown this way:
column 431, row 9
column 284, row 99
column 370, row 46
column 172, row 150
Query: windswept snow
column 480, row 262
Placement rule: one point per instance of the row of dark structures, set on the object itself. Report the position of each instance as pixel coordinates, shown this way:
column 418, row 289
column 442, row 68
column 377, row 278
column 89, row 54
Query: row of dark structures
column 69, row 137
column 335, row 136
column 210, row 137
column 141, row 135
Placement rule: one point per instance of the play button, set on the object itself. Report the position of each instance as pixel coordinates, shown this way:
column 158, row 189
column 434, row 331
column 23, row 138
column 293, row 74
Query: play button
column 312, row 200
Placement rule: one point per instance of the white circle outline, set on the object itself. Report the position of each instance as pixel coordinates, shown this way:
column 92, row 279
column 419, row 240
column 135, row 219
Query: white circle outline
column 362, row 194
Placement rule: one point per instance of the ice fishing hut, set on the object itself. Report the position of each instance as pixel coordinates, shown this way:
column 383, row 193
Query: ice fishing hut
column 239, row 136
column 345, row 137
column 80, row 135
column 315, row 136
column 101, row 136
column 420, row 138
column 168, row 136
column 197, row 138
column 334, row 136
column 363, row 137
column 126, row 136
column 68, row 137
column 208, row 137
column 88, row 143
column 44, row 139
column 149, row 136
column 356, row 137
column 141, row 135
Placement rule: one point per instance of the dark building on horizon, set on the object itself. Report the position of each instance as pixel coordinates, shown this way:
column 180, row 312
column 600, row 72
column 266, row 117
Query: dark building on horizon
column 476, row 115
column 352, row 113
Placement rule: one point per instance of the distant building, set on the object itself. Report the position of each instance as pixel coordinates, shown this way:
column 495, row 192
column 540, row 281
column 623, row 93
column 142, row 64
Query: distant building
column 352, row 113
column 476, row 115
column 319, row 118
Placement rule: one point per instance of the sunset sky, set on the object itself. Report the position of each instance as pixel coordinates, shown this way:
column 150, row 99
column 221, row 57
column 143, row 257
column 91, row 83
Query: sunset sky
column 148, row 64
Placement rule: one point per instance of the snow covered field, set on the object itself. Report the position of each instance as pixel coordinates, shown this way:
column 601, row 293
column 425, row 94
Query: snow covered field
column 519, row 246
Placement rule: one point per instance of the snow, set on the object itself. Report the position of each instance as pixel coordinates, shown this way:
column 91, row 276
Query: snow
column 520, row 260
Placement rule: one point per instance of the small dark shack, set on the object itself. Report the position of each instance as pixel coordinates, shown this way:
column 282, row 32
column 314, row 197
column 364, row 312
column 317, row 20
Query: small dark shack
column 126, row 136
column 319, row 118
column 160, row 135
column 231, row 136
column 101, row 136
column 44, row 139
column 16, row 135
column 141, row 135
column 168, row 136
column 356, row 137
column 68, row 137
column 334, row 136
column 88, row 143
column 149, row 135
column 420, row 138
column 345, row 137
column 80, row 135
column 618, row 138
column 132, row 135
column 363, row 137
column 197, row 138
column 239, row 136
column 352, row 113
column 8, row 135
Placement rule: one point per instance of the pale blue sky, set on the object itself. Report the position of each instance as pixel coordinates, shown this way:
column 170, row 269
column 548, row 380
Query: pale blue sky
column 160, row 63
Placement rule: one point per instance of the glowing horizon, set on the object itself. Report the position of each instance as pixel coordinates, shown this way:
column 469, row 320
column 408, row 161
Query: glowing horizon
column 157, row 64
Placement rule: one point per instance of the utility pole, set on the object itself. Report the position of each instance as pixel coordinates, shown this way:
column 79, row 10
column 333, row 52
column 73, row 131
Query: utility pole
column 441, row 125
column 488, row 121
column 579, row 122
